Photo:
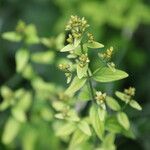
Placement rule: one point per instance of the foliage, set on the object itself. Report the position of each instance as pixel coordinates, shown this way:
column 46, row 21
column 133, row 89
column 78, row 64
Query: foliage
column 101, row 102
column 38, row 79
column 27, row 104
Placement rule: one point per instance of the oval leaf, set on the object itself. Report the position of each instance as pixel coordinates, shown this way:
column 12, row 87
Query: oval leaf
column 78, row 138
column 4, row 105
column 12, row 36
column 135, row 105
column 10, row 131
column 112, row 125
column 83, row 126
column 123, row 120
column 66, row 129
column 18, row 114
column 75, row 85
column 97, row 124
column 105, row 74
column 69, row 47
column 81, row 72
column 102, row 113
column 43, row 57
column 112, row 103
column 122, row 96
column 94, row 45
column 22, row 57
column 84, row 94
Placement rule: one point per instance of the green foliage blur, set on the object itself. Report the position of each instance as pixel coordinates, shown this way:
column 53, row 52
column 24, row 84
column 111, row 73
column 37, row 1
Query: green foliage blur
column 123, row 24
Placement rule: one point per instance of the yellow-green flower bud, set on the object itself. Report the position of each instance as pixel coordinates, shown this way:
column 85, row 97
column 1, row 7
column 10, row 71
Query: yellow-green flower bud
column 64, row 67
column 100, row 97
column 83, row 60
column 90, row 38
column 70, row 39
column 130, row 91
column 77, row 26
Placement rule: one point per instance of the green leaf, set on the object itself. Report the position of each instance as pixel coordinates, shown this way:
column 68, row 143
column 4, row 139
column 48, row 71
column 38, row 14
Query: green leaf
column 66, row 129
column 59, row 116
column 46, row 114
column 77, row 42
column 18, row 114
column 72, row 116
column 84, row 94
column 84, row 126
column 6, row 92
column 75, row 85
column 122, row 96
column 94, row 45
column 29, row 138
column 112, row 125
column 123, row 120
column 97, row 124
column 59, row 105
column 102, row 113
column 108, row 143
column 25, row 102
column 60, row 40
column 28, row 72
column 7, row 95
column 112, row 103
column 31, row 35
column 43, row 57
column 22, row 105
column 129, row 133
column 68, row 47
column 109, row 139
column 4, row 105
column 10, row 131
column 135, row 105
column 81, row 71
column 22, row 58
column 12, row 36
column 42, row 86
column 105, row 74
column 77, row 139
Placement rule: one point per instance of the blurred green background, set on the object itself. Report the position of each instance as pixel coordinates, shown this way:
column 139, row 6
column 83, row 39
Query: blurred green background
column 123, row 24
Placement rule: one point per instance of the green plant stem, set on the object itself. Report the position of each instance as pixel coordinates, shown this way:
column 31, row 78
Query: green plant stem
column 89, row 78
column 90, row 85
column 124, row 107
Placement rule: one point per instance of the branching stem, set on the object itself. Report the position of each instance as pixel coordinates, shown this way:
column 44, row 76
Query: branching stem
column 88, row 76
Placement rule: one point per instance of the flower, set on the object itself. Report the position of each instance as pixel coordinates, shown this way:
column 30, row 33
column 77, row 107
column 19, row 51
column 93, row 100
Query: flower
column 130, row 91
column 100, row 97
column 107, row 55
column 76, row 26
column 64, row 67
column 83, row 60
column 90, row 38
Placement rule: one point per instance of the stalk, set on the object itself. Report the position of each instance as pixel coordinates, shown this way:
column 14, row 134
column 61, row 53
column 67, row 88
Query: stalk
column 89, row 78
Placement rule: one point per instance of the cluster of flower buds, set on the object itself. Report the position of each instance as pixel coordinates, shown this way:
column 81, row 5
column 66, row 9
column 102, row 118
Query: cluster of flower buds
column 83, row 60
column 111, row 65
column 100, row 97
column 130, row 91
column 64, row 67
column 90, row 37
column 76, row 26
column 67, row 69
column 107, row 55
